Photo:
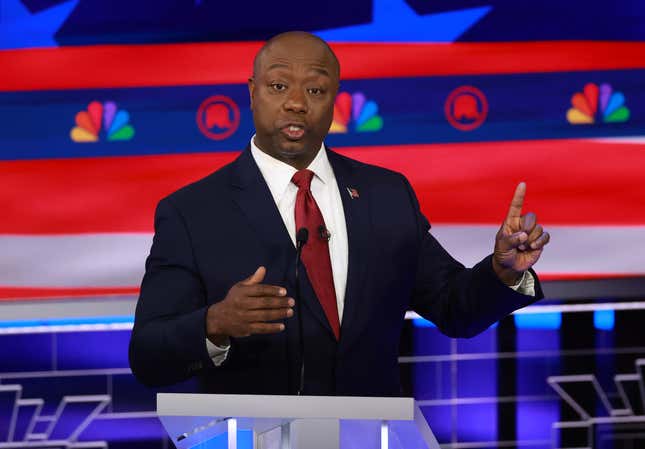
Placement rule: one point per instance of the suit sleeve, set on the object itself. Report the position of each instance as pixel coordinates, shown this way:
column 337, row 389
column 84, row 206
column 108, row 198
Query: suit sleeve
column 461, row 302
column 168, row 340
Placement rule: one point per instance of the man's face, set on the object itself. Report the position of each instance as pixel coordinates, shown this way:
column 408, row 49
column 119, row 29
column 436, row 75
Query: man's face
column 292, row 98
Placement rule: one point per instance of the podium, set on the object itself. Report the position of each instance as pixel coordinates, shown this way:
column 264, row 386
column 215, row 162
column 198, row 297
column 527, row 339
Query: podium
column 293, row 422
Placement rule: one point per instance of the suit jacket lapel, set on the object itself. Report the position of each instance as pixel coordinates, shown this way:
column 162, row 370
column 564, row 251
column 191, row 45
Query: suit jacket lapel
column 356, row 208
column 252, row 195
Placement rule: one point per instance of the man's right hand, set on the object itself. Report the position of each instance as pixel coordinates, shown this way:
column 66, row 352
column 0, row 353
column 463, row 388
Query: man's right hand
column 247, row 309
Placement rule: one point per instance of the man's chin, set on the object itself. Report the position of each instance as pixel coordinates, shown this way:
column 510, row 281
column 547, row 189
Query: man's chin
column 293, row 152
column 293, row 149
column 290, row 154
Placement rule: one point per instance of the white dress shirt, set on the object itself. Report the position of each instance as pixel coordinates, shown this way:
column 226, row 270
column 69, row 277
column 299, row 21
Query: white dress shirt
column 325, row 191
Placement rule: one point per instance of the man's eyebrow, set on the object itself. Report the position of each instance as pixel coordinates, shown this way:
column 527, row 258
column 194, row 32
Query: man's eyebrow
column 278, row 65
column 282, row 65
column 320, row 70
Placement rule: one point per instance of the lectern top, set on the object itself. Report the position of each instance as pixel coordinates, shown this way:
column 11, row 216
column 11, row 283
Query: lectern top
column 275, row 406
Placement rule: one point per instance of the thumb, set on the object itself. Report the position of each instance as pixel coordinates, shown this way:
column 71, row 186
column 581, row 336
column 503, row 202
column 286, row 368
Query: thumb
column 256, row 277
column 512, row 241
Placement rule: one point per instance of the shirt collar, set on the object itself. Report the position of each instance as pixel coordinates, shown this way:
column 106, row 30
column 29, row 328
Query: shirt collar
column 278, row 174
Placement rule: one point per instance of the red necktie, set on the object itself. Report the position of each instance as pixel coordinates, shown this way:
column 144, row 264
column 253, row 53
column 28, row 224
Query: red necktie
column 315, row 254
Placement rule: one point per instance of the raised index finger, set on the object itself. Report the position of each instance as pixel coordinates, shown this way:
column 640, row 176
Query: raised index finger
column 515, row 211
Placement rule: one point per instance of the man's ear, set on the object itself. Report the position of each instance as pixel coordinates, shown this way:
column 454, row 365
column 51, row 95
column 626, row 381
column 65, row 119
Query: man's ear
column 251, row 84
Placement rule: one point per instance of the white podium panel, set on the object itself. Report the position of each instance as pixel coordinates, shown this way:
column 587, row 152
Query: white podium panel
column 295, row 422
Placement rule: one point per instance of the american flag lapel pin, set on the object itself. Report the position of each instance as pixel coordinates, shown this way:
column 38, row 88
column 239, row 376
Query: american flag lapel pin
column 353, row 193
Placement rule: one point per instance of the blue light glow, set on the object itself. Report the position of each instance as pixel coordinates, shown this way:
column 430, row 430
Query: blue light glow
column 422, row 322
column 244, row 441
column 604, row 319
column 549, row 320
column 68, row 321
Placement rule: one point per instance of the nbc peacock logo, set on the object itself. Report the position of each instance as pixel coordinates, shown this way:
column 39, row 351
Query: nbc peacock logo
column 357, row 110
column 102, row 119
column 597, row 104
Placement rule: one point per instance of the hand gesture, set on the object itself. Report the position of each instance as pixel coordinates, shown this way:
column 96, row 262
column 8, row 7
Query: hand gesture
column 519, row 242
column 247, row 309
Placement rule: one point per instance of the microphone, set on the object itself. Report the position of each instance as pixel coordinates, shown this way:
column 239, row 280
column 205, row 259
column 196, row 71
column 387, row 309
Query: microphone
column 301, row 239
column 324, row 233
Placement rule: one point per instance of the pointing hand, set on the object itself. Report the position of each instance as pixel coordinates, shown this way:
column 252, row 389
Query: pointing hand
column 519, row 242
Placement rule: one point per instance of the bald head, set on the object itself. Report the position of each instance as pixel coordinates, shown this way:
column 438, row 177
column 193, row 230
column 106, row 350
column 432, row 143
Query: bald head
column 296, row 38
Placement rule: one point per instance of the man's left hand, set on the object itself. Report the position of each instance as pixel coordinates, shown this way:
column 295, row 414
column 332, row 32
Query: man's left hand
column 519, row 242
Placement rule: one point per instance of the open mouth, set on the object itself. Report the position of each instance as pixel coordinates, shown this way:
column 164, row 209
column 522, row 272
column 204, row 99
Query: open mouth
column 293, row 132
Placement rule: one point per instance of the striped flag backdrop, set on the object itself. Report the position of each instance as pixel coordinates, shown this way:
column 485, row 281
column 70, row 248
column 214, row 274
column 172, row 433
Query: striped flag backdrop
column 92, row 137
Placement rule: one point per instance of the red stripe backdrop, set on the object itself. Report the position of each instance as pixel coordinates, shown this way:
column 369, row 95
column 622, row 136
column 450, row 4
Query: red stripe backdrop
column 218, row 63
column 569, row 182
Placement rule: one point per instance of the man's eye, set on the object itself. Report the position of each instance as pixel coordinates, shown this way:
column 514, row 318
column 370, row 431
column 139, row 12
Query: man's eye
column 315, row 90
column 278, row 86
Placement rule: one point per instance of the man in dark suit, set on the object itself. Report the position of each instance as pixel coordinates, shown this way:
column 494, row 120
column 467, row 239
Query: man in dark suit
column 217, row 300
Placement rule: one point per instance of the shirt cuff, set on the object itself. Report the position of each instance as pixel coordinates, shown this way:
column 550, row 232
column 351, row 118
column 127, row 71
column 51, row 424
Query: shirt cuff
column 526, row 285
column 217, row 353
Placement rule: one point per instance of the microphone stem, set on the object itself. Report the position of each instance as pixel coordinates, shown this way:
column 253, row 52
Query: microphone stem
column 301, row 383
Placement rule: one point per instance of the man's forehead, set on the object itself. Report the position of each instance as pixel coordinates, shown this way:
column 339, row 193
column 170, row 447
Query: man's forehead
column 306, row 64
column 289, row 53
column 280, row 55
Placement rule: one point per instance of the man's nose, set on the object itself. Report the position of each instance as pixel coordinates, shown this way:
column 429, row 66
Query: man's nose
column 296, row 101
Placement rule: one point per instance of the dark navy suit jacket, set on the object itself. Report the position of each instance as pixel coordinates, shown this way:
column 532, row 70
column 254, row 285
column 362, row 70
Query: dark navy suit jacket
column 217, row 231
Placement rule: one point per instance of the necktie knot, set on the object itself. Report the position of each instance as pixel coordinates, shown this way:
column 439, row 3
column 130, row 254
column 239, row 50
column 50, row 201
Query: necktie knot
column 302, row 178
